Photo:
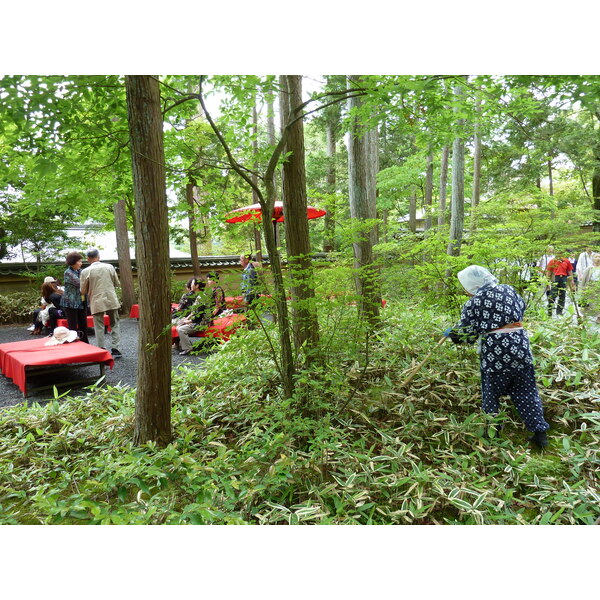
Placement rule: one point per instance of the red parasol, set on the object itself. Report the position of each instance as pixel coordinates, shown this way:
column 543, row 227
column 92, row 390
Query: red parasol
column 254, row 213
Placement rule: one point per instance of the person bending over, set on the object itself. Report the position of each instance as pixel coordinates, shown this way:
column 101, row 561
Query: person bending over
column 493, row 314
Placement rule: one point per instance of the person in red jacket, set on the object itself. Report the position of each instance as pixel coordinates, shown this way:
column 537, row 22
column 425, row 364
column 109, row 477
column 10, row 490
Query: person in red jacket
column 559, row 272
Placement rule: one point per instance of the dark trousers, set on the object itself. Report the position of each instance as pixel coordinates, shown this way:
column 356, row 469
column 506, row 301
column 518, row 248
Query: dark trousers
column 520, row 385
column 77, row 321
column 53, row 315
column 558, row 288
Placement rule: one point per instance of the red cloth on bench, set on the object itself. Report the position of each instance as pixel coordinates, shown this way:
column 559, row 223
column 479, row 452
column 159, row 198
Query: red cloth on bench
column 134, row 313
column 222, row 328
column 90, row 322
column 16, row 356
column 234, row 301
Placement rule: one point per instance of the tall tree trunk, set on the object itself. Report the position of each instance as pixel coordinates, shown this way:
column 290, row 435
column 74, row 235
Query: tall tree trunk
column 153, row 395
column 457, row 217
column 257, row 238
column 285, row 364
column 412, row 210
column 304, row 314
column 551, row 185
column 373, row 158
column 476, row 169
column 125, row 270
column 271, row 138
column 362, row 207
column 428, row 191
column 189, row 194
column 329, row 237
column 443, row 185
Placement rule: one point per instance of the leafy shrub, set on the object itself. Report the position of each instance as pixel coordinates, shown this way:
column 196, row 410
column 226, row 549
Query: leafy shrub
column 18, row 307
column 360, row 450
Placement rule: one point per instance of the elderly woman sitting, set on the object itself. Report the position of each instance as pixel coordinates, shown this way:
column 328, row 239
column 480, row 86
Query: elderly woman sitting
column 493, row 315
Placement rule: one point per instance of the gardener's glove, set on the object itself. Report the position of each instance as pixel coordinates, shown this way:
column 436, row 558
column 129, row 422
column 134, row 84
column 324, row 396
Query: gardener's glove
column 447, row 332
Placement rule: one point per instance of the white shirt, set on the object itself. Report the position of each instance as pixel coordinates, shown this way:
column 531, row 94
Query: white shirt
column 584, row 261
column 543, row 262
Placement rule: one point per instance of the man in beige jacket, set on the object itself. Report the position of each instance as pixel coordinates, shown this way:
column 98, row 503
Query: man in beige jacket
column 99, row 281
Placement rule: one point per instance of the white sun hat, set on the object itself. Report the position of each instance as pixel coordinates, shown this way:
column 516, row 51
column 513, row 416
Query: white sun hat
column 62, row 335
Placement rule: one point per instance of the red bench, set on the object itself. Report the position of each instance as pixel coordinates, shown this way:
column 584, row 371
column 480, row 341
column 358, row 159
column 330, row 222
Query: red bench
column 20, row 359
column 234, row 301
column 222, row 328
column 90, row 322
column 134, row 313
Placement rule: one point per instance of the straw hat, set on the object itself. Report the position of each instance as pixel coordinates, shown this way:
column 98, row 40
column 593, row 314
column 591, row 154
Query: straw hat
column 62, row 335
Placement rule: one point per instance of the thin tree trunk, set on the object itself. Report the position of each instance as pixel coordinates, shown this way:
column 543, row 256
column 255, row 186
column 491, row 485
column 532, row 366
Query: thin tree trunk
column 189, row 194
column 373, row 158
column 329, row 236
column 304, row 314
column 362, row 208
column 428, row 191
column 412, row 210
column 153, row 395
column 476, row 170
column 457, row 217
column 271, row 138
column 551, row 186
column 257, row 238
column 124, row 254
column 443, row 185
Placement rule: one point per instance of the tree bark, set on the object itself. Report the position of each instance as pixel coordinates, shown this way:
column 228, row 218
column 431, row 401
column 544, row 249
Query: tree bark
column 412, row 210
column 189, row 194
column 257, row 239
column 362, row 209
column 285, row 364
column 551, row 185
column 428, row 191
column 443, row 185
column 457, row 216
column 304, row 314
column 153, row 396
column 125, row 270
column 476, row 170
column 329, row 236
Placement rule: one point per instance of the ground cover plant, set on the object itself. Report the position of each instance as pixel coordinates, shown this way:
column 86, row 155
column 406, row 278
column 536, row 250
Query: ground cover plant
column 351, row 447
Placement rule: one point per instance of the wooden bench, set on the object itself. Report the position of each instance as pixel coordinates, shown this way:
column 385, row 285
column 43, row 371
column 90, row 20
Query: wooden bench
column 20, row 359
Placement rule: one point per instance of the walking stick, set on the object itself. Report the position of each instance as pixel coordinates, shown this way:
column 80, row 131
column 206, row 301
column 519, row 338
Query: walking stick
column 422, row 363
column 574, row 299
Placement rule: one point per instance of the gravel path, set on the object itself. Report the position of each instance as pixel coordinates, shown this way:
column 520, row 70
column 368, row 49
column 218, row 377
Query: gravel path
column 124, row 370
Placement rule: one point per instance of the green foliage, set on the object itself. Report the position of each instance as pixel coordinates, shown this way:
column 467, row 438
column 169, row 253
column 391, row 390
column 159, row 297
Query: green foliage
column 360, row 450
column 18, row 307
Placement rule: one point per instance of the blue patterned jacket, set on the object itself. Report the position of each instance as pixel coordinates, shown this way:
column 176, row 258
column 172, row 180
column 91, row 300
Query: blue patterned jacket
column 492, row 307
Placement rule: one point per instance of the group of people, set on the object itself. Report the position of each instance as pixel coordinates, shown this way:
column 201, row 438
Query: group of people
column 564, row 270
column 92, row 291
column 85, row 291
column 197, row 309
column 203, row 301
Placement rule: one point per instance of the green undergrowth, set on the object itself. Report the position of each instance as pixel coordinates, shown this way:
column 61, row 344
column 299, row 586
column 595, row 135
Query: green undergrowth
column 353, row 447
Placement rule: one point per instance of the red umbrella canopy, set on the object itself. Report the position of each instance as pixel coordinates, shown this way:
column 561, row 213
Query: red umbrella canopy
column 254, row 213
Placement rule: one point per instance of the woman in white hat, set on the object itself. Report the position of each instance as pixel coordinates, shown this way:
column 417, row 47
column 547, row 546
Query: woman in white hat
column 494, row 313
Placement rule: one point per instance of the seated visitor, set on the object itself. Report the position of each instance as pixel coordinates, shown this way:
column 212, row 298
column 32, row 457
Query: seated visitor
column 199, row 317
column 185, row 302
column 49, row 309
column 217, row 299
